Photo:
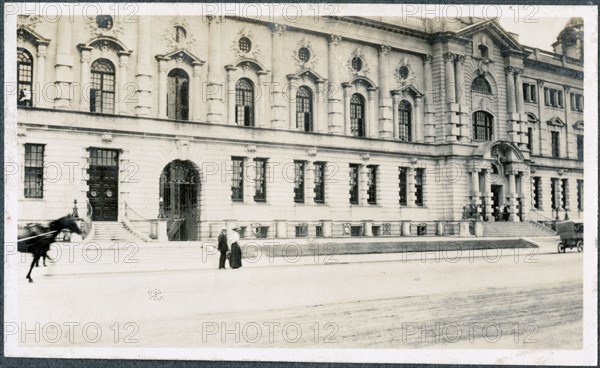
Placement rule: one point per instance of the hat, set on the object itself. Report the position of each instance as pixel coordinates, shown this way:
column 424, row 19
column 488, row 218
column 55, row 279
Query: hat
column 223, row 228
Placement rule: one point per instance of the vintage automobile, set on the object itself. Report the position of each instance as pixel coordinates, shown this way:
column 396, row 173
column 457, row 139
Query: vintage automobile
column 571, row 235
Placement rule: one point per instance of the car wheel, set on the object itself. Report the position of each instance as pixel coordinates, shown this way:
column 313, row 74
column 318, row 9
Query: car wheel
column 580, row 246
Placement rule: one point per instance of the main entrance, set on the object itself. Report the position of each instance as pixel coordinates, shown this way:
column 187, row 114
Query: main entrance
column 497, row 202
column 179, row 188
column 103, row 192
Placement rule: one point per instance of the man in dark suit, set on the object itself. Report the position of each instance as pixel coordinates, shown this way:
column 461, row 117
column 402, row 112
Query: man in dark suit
column 223, row 248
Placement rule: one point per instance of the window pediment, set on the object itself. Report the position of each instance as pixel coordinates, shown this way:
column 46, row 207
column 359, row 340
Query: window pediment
column 182, row 56
column 410, row 90
column 27, row 34
column 307, row 74
column 556, row 121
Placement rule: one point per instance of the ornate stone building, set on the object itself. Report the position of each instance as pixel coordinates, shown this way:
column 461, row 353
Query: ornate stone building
column 340, row 126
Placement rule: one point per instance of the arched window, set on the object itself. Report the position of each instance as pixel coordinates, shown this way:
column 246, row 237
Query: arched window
column 480, row 85
column 482, row 126
column 404, row 121
column 357, row 115
column 24, row 77
column 102, row 91
column 304, row 109
column 531, row 118
column 178, row 94
column 244, row 102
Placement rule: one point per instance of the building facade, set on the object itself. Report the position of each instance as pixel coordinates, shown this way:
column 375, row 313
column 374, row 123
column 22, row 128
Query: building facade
column 339, row 126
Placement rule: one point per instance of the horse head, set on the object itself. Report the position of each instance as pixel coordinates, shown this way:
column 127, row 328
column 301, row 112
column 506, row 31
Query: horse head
column 67, row 222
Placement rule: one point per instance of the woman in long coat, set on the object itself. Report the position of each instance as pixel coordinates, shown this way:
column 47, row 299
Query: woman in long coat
column 235, row 255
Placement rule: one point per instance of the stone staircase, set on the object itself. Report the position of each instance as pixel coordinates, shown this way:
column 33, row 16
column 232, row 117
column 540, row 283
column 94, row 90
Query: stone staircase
column 516, row 229
column 113, row 231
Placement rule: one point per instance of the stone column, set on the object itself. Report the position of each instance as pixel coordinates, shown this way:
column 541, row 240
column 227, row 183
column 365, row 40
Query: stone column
column 363, row 181
column 309, row 182
column 143, row 68
column 292, row 90
column 410, row 187
column 510, row 90
column 319, row 117
column 385, row 101
column 450, row 82
column 214, row 87
column 417, row 126
column 278, row 105
column 230, row 95
column 519, row 92
column 568, row 132
column 371, row 125
column 368, row 226
column 544, row 145
column 162, row 87
column 265, row 113
column 196, row 94
column 84, row 102
column 64, row 64
column 511, row 194
column 249, row 179
column 39, row 98
column 463, row 116
column 121, row 106
column 487, row 194
column 429, row 92
column 460, row 79
column 347, row 97
column 396, row 102
column 335, row 117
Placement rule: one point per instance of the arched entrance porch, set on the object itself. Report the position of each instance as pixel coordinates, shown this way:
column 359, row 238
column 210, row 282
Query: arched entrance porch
column 499, row 185
column 180, row 191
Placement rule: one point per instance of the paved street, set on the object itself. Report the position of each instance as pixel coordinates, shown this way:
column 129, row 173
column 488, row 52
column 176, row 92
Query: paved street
column 175, row 297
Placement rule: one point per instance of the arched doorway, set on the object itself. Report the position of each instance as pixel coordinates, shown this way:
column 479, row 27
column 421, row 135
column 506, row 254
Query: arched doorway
column 180, row 189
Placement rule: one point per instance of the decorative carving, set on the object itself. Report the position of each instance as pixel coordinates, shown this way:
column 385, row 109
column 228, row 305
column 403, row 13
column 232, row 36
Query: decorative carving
column 251, row 148
column 254, row 51
column 364, row 70
column 365, row 156
column 483, row 67
column 28, row 21
column 311, row 63
column 509, row 70
column 311, row 152
column 427, row 58
column 448, row 56
column 214, row 19
column 334, row 40
column 277, row 29
column 404, row 74
column 384, row 49
column 501, row 155
column 116, row 30
column 106, row 138
column 186, row 43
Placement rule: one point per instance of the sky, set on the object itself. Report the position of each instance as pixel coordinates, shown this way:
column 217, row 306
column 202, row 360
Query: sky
column 540, row 35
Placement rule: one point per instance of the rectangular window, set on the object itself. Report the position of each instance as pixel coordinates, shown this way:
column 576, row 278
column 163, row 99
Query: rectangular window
column 356, row 230
column 555, row 144
column 536, row 191
column 402, row 180
column 580, row 195
column 301, row 230
column 576, row 102
column 319, row 231
column 564, row 193
column 354, row 183
column 554, row 193
column 299, row 181
column 260, row 180
column 530, row 139
column 419, row 186
column 372, row 185
column 320, row 182
column 237, row 180
column 34, row 171
column 579, row 147
column 529, row 94
column 553, row 97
